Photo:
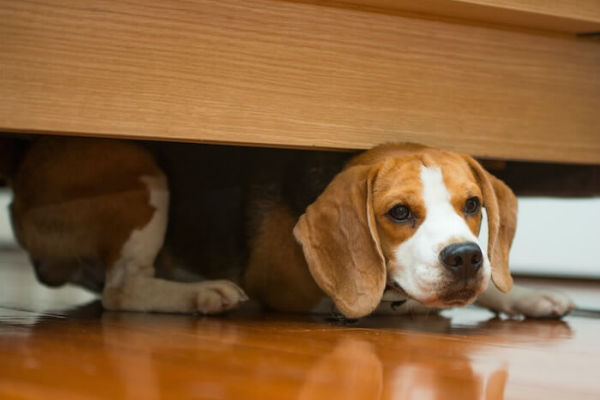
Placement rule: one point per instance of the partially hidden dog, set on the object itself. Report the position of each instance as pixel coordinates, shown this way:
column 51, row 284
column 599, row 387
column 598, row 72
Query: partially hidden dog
column 392, row 230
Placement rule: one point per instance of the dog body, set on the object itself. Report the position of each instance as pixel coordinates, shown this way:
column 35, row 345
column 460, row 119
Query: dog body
column 295, row 229
column 395, row 217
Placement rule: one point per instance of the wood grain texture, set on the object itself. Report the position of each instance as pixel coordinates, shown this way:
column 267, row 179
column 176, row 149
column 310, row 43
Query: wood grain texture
column 278, row 73
column 84, row 353
column 572, row 16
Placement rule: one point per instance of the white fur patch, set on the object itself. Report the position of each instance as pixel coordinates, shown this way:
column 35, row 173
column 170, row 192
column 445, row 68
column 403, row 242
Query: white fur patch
column 536, row 303
column 131, row 285
column 140, row 250
column 417, row 267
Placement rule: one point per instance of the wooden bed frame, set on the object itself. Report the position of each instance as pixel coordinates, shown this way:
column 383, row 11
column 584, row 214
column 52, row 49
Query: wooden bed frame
column 501, row 79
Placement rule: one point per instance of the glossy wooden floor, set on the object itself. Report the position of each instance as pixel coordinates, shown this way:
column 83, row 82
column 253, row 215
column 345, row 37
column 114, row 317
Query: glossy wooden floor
column 55, row 344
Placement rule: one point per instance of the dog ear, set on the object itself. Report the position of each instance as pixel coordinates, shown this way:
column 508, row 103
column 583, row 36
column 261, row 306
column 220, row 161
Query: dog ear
column 341, row 245
column 501, row 208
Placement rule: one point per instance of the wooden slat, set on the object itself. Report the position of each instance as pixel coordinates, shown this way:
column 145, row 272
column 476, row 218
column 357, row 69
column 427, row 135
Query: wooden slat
column 572, row 16
column 279, row 73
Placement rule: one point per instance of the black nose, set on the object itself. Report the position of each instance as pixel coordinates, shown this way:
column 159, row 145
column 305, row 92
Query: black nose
column 462, row 259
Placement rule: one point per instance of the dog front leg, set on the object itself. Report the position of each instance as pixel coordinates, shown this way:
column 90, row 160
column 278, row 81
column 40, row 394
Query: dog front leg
column 534, row 303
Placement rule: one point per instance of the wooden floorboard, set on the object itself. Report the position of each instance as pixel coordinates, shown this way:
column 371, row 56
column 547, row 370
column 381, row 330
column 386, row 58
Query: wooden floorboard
column 56, row 344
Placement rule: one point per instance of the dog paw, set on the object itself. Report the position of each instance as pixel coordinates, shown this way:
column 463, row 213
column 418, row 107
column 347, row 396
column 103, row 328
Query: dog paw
column 215, row 297
column 541, row 304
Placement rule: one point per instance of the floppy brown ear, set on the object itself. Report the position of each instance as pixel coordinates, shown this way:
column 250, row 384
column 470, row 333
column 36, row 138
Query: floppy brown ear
column 340, row 242
column 501, row 208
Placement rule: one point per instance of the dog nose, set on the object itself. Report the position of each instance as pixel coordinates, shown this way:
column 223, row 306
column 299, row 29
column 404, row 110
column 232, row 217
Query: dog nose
column 462, row 259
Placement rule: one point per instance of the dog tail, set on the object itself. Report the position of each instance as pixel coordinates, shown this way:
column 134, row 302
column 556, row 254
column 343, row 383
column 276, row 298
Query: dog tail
column 12, row 152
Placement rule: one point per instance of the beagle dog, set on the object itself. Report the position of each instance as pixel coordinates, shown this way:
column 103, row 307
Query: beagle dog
column 392, row 230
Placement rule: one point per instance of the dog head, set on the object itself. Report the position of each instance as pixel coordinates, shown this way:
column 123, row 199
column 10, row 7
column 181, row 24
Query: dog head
column 407, row 217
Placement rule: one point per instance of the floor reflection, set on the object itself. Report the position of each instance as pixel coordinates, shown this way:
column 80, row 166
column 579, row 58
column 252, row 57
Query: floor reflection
column 51, row 353
column 263, row 356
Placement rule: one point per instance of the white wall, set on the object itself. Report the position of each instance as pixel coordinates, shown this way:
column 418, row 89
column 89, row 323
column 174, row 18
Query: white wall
column 557, row 237
column 554, row 236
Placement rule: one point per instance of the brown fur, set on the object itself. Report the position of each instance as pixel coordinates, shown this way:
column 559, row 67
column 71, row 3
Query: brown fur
column 462, row 185
column 501, row 207
column 339, row 238
column 82, row 209
column 277, row 274
column 346, row 238
column 389, row 191
column 78, row 200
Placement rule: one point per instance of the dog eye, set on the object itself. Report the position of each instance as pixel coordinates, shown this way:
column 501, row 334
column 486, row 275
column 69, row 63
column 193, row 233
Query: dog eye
column 472, row 205
column 399, row 213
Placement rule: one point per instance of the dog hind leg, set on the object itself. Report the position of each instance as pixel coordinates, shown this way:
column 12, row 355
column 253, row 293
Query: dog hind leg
column 130, row 281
